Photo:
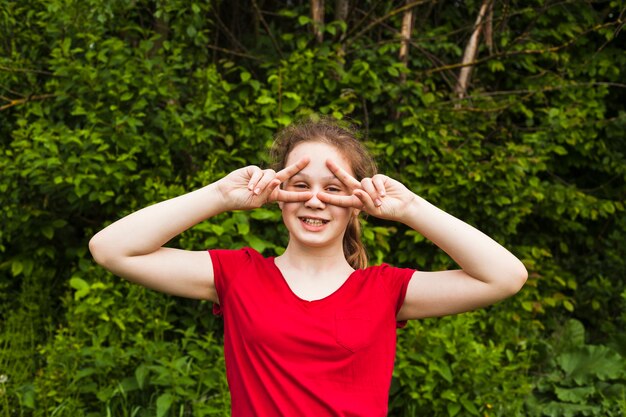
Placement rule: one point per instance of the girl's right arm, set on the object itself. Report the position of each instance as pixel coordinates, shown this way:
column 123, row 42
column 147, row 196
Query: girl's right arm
column 132, row 247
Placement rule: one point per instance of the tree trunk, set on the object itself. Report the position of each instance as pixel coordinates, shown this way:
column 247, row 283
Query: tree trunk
column 405, row 38
column 489, row 28
column 470, row 51
column 341, row 9
column 341, row 14
column 317, row 14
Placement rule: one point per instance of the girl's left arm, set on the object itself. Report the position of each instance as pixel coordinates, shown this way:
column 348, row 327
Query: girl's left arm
column 489, row 272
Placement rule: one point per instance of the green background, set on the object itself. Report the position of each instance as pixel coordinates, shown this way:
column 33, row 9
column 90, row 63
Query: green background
column 109, row 106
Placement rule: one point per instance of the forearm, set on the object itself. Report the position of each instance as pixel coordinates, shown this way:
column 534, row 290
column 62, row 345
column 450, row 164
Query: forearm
column 476, row 253
column 148, row 229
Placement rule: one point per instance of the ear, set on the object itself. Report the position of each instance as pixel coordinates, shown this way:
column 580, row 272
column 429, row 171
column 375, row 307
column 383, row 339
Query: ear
column 356, row 212
column 280, row 205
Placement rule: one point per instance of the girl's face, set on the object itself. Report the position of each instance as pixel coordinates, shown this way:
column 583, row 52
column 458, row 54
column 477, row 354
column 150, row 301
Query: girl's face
column 314, row 223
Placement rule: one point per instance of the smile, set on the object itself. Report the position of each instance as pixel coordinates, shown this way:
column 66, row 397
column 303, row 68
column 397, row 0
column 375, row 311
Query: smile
column 313, row 222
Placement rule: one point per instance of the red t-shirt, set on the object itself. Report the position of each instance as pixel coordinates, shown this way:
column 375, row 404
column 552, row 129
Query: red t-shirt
column 286, row 356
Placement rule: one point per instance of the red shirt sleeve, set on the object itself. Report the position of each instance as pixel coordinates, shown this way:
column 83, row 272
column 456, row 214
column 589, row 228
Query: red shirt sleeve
column 397, row 281
column 226, row 262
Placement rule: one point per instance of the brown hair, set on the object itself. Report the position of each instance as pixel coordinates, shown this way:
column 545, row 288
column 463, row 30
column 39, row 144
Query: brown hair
column 342, row 136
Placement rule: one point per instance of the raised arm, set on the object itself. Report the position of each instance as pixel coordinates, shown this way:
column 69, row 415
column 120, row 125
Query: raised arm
column 132, row 247
column 489, row 272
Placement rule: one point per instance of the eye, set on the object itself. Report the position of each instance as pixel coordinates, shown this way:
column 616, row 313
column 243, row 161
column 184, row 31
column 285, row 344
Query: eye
column 300, row 186
column 333, row 189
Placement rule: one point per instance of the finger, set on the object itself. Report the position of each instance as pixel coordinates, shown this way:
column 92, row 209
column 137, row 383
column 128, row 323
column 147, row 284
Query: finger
column 340, row 200
column 254, row 178
column 271, row 189
column 347, row 179
column 367, row 185
column 379, row 183
column 291, row 196
column 268, row 176
column 288, row 172
column 366, row 200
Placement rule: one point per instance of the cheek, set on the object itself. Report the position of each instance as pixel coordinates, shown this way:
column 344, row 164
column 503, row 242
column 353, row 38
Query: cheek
column 288, row 207
column 341, row 212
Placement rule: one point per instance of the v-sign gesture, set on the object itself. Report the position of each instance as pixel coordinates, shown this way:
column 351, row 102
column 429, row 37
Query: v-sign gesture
column 251, row 187
column 379, row 196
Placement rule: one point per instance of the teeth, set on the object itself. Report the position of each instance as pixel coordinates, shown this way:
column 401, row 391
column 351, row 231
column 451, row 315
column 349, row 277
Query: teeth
column 313, row 222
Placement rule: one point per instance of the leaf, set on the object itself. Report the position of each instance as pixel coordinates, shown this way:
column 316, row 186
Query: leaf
column 591, row 362
column 443, row 369
column 265, row 100
column 78, row 283
column 65, row 45
column 48, row 232
column 453, row 409
column 163, row 403
column 568, row 305
column 16, row 268
column 141, row 373
column 265, row 214
column 256, row 243
column 574, row 395
column 574, row 333
column 469, row 406
column 428, row 98
column 126, row 96
column 290, row 102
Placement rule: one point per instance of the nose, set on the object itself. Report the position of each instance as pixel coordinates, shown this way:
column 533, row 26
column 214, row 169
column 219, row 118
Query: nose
column 314, row 202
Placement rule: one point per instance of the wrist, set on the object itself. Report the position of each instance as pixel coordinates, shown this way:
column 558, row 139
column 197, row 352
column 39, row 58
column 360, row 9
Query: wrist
column 216, row 198
column 414, row 210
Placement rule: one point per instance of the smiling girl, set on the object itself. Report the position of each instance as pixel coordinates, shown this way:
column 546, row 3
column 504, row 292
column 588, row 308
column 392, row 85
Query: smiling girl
column 311, row 332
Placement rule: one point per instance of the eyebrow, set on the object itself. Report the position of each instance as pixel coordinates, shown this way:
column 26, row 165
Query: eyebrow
column 307, row 177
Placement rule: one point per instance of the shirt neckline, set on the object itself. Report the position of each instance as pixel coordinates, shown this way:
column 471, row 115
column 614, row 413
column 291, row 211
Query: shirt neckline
column 323, row 300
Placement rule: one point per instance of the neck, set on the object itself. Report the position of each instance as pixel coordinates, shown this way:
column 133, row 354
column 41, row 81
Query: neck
column 315, row 259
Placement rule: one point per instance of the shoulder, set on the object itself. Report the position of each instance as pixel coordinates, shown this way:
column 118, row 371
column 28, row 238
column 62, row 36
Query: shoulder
column 229, row 262
column 236, row 255
column 386, row 271
column 389, row 278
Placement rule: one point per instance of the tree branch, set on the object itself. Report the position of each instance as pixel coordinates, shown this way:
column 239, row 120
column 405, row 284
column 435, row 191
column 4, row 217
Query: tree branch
column 35, row 71
column 25, row 100
column 385, row 17
column 229, row 51
column 267, row 29
column 522, row 52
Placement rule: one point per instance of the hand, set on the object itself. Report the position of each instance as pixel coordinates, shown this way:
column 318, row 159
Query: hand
column 251, row 187
column 379, row 196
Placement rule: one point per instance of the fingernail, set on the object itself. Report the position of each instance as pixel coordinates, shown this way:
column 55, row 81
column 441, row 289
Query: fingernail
column 378, row 202
column 257, row 191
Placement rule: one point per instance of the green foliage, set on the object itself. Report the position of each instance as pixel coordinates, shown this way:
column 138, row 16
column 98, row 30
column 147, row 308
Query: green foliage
column 579, row 379
column 461, row 366
column 109, row 106
column 122, row 351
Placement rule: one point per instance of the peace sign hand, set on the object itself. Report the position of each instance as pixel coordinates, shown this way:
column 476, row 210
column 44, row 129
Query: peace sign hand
column 379, row 196
column 251, row 187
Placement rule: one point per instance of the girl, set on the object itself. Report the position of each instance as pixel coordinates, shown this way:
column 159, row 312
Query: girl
column 311, row 332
